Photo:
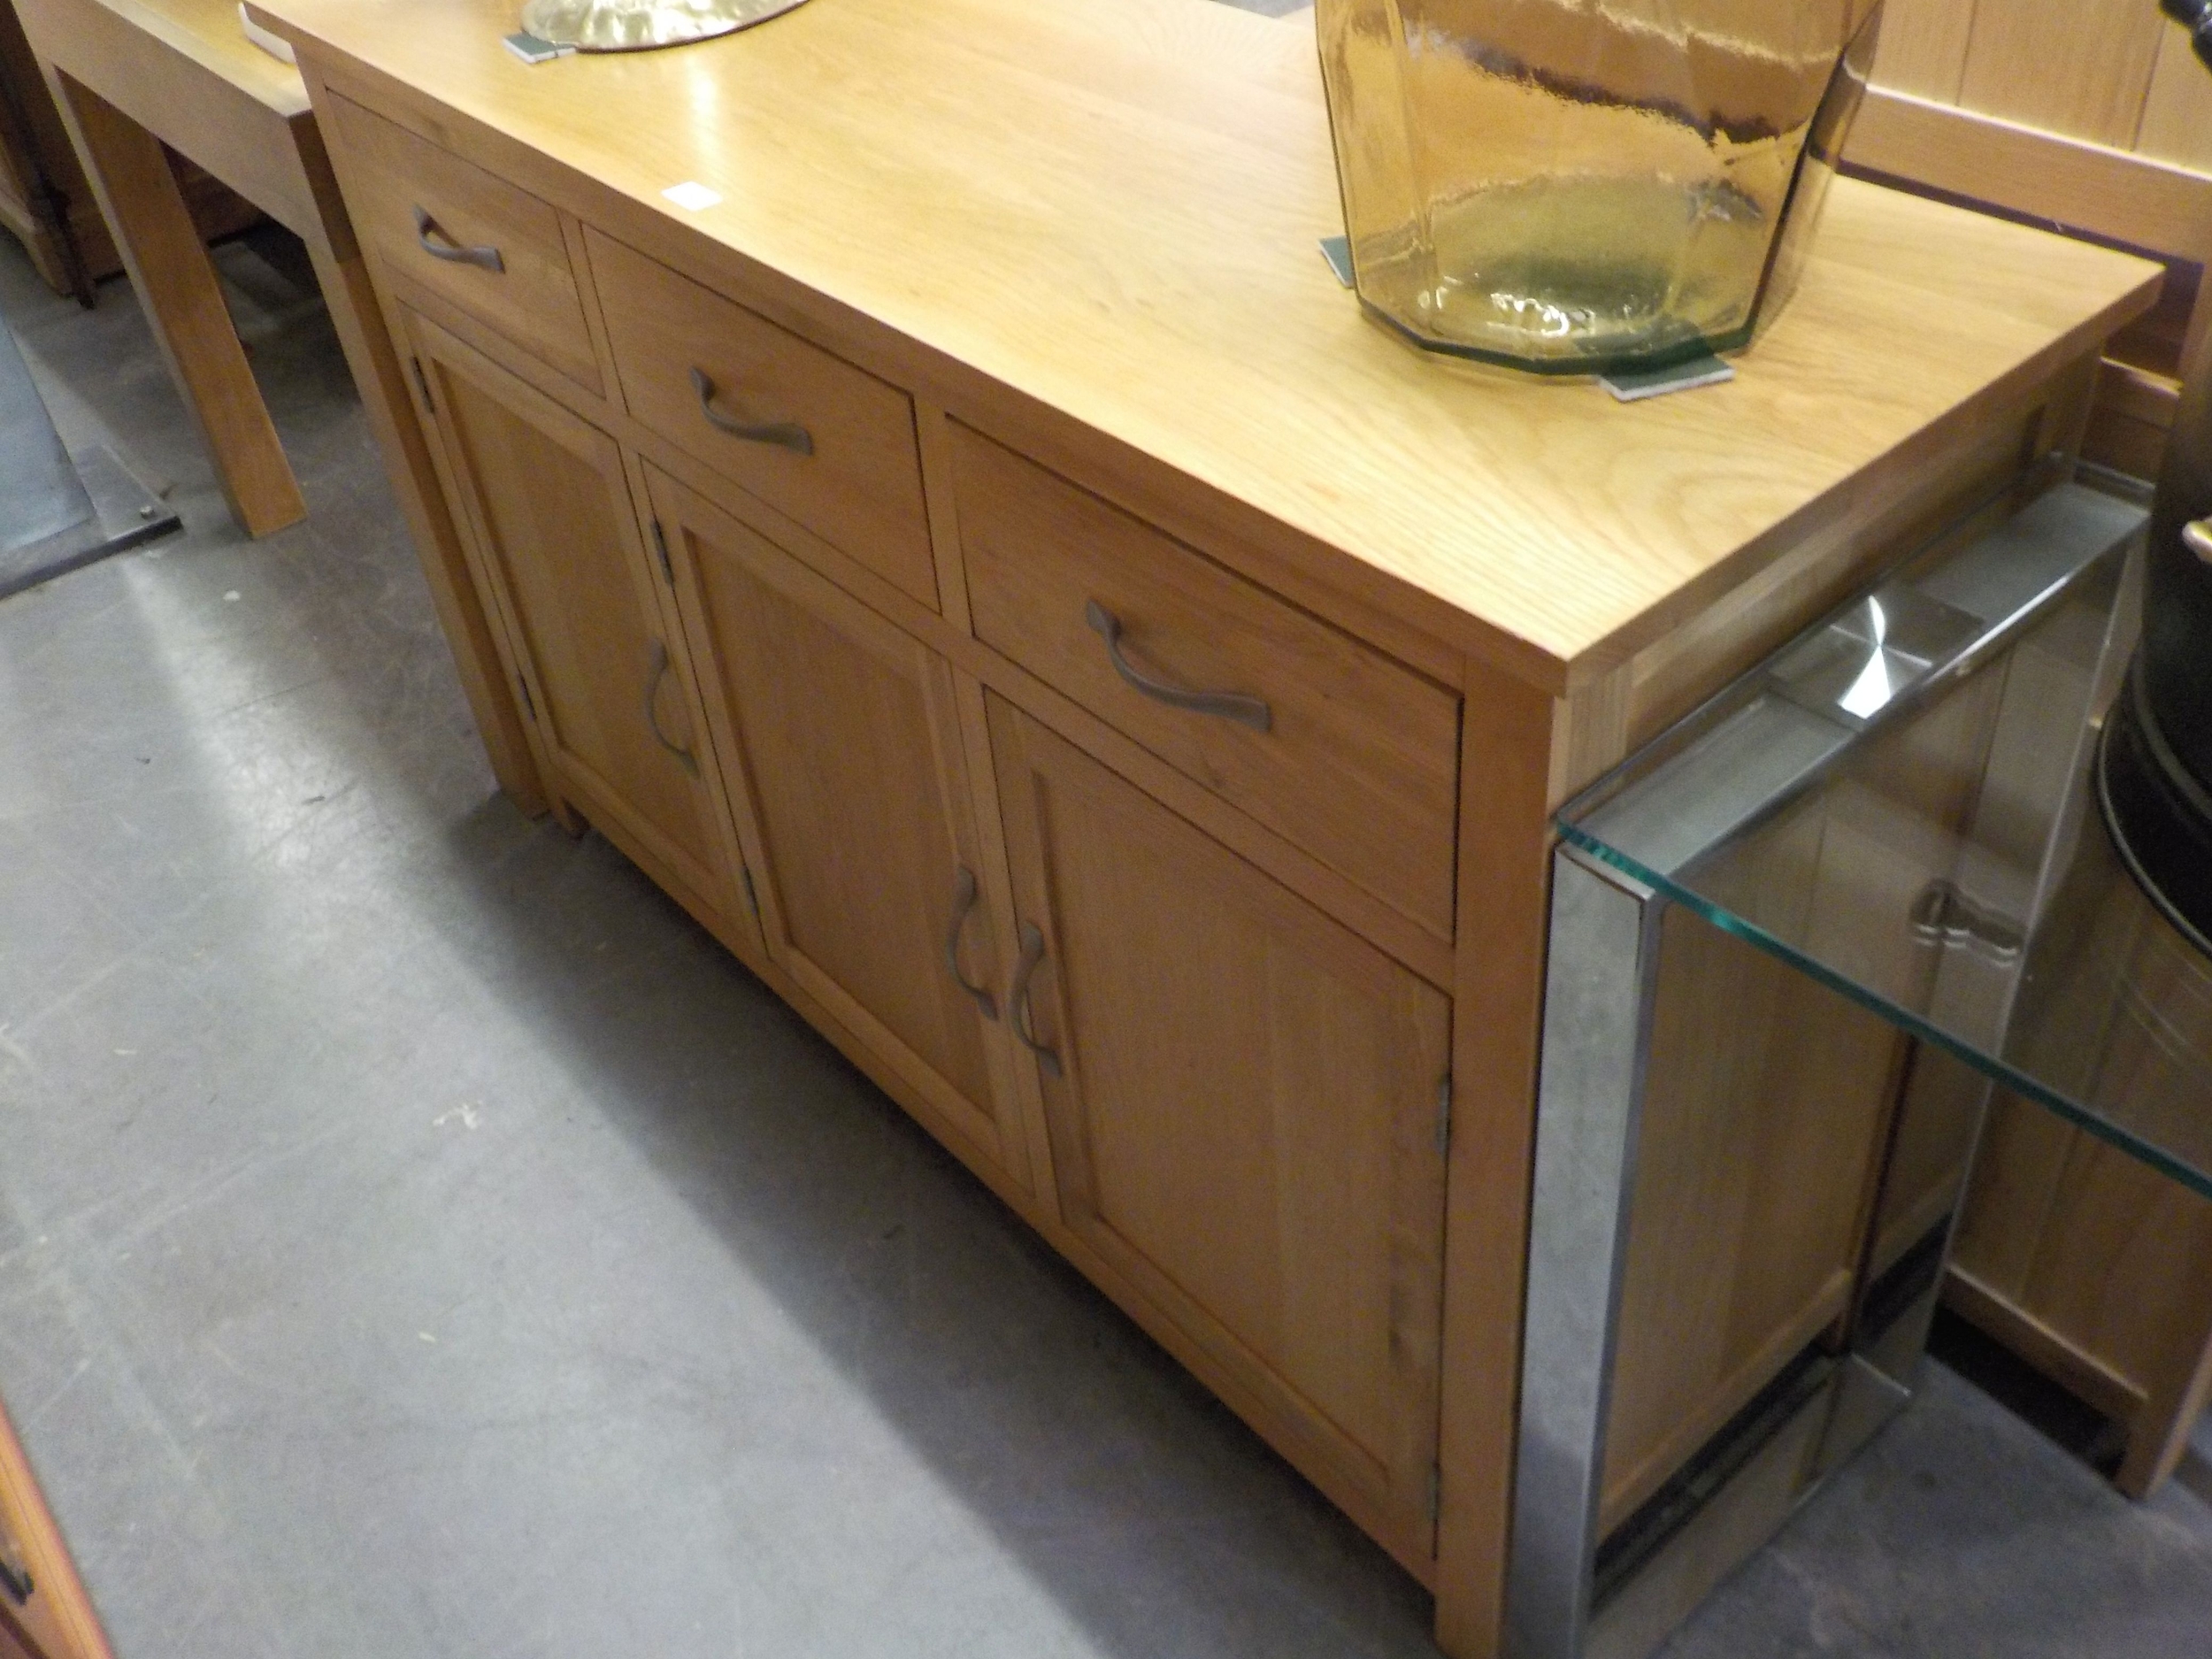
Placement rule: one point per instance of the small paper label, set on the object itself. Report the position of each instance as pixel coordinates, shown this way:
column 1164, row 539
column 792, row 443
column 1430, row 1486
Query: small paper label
column 693, row 198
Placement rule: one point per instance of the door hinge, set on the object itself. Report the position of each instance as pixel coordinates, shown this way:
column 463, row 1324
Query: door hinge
column 1444, row 1116
column 529, row 702
column 660, row 550
column 422, row 380
column 752, row 899
column 1436, row 1492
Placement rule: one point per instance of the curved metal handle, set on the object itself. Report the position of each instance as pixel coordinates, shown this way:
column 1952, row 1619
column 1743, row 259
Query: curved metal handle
column 1229, row 705
column 2198, row 538
column 445, row 248
column 1018, row 998
column 786, row 433
column 965, row 894
column 654, row 675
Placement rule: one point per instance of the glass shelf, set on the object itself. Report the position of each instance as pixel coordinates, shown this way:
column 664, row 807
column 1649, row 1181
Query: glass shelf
column 1903, row 805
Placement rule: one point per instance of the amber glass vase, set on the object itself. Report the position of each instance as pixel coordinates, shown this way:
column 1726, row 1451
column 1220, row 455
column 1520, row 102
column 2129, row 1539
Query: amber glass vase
column 1578, row 186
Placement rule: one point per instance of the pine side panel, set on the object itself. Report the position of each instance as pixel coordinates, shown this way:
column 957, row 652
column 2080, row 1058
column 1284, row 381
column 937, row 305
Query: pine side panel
column 1923, row 47
column 2178, row 114
column 2081, row 69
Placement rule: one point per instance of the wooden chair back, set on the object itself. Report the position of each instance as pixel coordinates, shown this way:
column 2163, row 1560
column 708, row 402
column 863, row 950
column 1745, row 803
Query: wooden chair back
column 2092, row 115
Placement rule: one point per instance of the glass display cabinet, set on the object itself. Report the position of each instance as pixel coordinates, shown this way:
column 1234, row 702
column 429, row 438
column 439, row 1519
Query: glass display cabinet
column 1796, row 943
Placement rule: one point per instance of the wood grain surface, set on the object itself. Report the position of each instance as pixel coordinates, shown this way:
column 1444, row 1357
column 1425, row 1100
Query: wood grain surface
column 1359, row 765
column 1244, row 1117
column 183, row 70
column 184, row 306
column 531, row 296
column 207, row 32
column 1109, row 208
column 839, row 745
column 859, row 484
column 546, row 500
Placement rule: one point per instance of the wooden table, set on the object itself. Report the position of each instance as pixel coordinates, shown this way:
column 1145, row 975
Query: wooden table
column 822, row 403
column 130, row 76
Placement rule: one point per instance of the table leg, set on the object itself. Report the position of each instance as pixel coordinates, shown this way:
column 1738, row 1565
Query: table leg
column 168, row 265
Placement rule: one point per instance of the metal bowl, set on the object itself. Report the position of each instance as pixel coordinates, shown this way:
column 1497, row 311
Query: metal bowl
column 637, row 25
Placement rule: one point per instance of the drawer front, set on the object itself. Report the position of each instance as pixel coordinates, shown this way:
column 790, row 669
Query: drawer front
column 473, row 239
column 828, row 445
column 1358, row 760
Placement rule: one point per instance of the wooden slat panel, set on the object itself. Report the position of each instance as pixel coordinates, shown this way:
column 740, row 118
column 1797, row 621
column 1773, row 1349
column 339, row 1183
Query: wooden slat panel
column 2121, row 1225
column 2081, row 69
column 2090, row 186
column 1923, row 47
column 2178, row 115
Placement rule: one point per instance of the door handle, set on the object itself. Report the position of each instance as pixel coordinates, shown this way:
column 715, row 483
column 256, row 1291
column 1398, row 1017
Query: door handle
column 1228, row 705
column 2198, row 538
column 965, row 894
column 1018, row 998
column 654, row 675
column 785, row 433
column 438, row 245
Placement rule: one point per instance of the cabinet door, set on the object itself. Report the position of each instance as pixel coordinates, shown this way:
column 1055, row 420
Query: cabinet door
column 1243, row 1103
column 557, row 549
column 842, row 731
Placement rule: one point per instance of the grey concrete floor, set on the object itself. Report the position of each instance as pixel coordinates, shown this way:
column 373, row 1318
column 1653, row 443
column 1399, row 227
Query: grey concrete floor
column 417, row 1239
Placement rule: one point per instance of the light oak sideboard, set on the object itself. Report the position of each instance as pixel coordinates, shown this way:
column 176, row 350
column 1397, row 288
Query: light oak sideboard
column 969, row 550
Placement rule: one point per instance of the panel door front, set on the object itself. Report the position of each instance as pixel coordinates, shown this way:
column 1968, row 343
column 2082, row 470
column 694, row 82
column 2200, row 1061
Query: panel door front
column 1243, row 1099
column 841, row 731
column 545, row 499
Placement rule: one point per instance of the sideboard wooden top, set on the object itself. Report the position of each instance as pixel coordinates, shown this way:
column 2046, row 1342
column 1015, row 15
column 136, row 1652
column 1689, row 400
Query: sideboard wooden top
column 1112, row 207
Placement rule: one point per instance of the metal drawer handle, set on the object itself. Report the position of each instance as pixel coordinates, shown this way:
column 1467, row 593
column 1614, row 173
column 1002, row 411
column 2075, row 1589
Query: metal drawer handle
column 1018, row 998
column 787, row 434
column 443, row 247
column 965, row 894
column 2198, row 538
column 1943, row 914
column 657, row 673
column 1230, row 705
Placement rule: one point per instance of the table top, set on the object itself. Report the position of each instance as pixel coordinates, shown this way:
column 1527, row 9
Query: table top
column 208, row 32
column 1113, row 207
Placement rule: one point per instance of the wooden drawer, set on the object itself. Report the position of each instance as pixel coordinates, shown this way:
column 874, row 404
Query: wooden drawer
column 521, row 283
column 854, row 477
column 1358, row 763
